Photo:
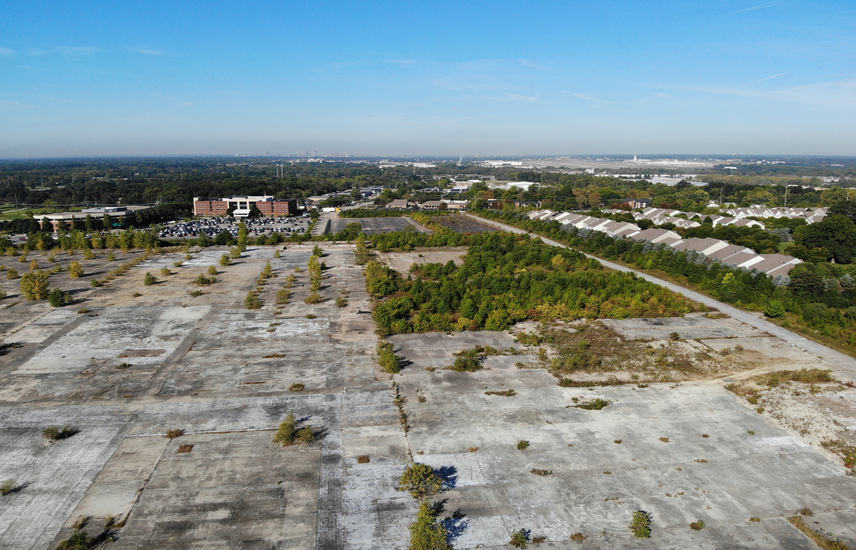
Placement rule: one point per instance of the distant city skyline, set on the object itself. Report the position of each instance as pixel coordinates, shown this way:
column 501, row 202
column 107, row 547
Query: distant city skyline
column 430, row 79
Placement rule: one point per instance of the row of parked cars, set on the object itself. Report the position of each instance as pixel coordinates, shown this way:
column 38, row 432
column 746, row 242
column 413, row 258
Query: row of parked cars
column 214, row 226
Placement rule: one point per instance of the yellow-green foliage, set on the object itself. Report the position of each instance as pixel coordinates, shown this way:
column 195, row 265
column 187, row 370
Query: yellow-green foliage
column 420, row 480
column 387, row 359
column 34, row 285
column 426, row 533
column 75, row 270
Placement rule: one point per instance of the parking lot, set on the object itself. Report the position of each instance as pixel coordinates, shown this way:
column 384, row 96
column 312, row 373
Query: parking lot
column 214, row 226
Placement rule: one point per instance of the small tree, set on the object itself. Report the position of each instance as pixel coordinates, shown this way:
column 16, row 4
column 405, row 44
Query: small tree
column 426, row 533
column 421, row 480
column 56, row 298
column 252, row 301
column 225, row 260
column 287, row 431
column 34, row 285
column 149, row 279
column 75, row 270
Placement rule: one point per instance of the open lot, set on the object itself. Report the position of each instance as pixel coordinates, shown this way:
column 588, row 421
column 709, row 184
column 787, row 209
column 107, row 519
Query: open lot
column 464, row 224
column 126, row 363
column 372, row 226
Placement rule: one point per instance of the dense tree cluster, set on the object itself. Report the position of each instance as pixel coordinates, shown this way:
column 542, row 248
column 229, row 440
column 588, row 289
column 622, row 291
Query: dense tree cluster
column 506, row 279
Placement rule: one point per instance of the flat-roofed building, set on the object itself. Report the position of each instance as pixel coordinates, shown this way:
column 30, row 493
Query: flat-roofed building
column 241, row 206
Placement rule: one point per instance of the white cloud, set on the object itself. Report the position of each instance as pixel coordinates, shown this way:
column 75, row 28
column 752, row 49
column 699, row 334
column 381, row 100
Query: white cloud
column 6, row 52
column 586, row 97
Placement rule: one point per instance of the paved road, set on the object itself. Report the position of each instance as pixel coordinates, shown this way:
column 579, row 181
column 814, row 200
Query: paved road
column 839, row 361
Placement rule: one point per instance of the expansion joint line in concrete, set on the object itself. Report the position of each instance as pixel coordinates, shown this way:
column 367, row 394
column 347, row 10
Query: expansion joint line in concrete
column 331, row 482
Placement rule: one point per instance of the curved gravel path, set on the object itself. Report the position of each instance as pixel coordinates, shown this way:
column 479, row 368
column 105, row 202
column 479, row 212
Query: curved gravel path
column 844, row 365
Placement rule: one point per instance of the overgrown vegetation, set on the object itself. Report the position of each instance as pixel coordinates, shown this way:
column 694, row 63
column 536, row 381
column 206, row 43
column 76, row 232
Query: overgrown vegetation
column 426, row 533
column 510, row 278
column 822, row 540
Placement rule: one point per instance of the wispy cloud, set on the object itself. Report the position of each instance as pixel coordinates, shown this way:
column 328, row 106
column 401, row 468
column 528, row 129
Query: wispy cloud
column 760, row 80
column 6, row 52
column 763, row 6
column 664, row 96
column 586, row 97
column 159, row 53
column 533, row 65
column 512, row 97
column 838, row 94
column 64, row 51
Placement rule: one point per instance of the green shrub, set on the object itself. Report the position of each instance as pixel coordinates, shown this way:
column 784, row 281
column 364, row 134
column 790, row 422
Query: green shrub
column 202, row 280
column 420, row 480
column 774, row 308
column 426, row 533
column 522, row 445
column 165, row 271
column 316, row 251
column 7, row 486
column 111, row 257
column 252, row 301
column 341, row 301
column 313, row 298
column 95, row 283
column 305, row 435
column 75, row 270
column 225, row 260
column 287, row 431
column 640, row 525
column 282, row 296
column 11, row 273
column 387, row 359
column 177, row 264
column 2, row 294
column 467, row 361
column 697, row 525
column 149, row 279
column 519, row 538
column 57, row 298
column 34, row 285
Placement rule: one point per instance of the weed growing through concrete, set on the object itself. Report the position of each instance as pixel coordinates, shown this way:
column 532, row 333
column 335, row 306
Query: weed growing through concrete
column 697, row 525
column 617, row 441
column 123, row 366
column 420, row 480
column 287, row 433
column 149, row 279
column 522, row 445
column 755, row 520
column 56, row 433
column 664, row 439
column 519, row 538
column 165, row 271
column 539, row 472
column 594, row 405
column 506, row 393
column 363, row 459
column 296, row 387
column 184, row 449
column 399, row 404
column 426, row 533
column 578, row 536
column 387, row 359
column 823, row 541
column 252, row 301
column 474, row 449
column 173, row 433
column 7, row 486
column 640, row 525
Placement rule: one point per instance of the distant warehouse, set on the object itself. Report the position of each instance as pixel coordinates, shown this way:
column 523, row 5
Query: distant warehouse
column 241, row 207
column 104, row 217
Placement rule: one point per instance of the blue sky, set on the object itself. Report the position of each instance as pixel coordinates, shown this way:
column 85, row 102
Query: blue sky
column 427, row 78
